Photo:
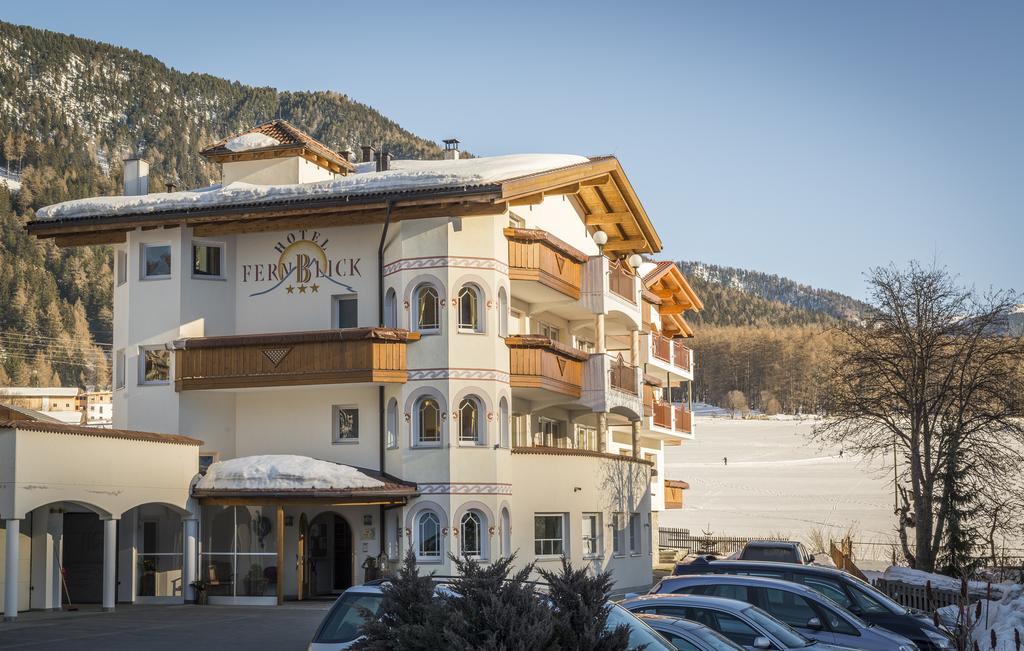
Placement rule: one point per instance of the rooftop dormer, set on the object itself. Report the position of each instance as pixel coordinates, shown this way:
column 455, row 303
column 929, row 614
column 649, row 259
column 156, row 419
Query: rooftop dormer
column 276, row 153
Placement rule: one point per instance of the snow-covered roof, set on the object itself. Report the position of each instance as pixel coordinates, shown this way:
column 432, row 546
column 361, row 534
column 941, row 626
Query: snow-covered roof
column 289, row 472
column 403, row 176
column 35, row 392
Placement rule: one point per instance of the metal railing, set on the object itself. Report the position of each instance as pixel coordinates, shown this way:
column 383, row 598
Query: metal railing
column 623, row 376
column 717, row 545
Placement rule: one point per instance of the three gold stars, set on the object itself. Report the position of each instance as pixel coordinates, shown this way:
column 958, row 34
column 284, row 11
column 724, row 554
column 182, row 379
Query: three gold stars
column 302, row 289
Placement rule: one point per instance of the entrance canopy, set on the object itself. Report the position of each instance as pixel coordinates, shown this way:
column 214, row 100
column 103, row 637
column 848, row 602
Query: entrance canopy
column 275, row 478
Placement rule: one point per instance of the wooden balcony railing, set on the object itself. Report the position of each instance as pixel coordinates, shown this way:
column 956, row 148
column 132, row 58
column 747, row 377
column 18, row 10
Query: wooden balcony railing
column 292, row 358
column 537, row 362
column 622, row 376
column 680, row 354
column 622, row 282
column 663, row 415
column 683, row 419
column 661, row 347
column 536, row 255
column 649, row 392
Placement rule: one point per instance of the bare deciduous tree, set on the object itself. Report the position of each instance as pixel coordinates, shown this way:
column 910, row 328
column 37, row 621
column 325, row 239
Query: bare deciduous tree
column 932, row 374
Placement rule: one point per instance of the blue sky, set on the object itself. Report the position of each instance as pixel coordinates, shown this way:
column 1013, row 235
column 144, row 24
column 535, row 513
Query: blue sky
column 809, row 139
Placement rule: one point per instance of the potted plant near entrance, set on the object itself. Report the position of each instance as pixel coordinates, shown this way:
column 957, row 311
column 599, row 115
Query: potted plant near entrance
column 200, row 587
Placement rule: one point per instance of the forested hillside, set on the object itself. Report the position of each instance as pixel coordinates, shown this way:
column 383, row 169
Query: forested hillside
column 70, row 110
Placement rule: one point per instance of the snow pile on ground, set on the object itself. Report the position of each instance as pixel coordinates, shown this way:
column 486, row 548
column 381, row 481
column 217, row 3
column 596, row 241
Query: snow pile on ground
column 941, row 581
column 402, row 175
column 248, row 141
column 1004, row 617
column 283, row 472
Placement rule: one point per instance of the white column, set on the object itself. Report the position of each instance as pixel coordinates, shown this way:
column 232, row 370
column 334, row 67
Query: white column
column 11, row 570
column 599, row 334
column 109, row 563
column 602, row 431
column 635, row 431
column 190, row 531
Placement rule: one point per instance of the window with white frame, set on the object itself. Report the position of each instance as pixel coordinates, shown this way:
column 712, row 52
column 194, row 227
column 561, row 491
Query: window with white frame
column 585, row 438
column 207, row 459
column 346, row 424
column 156, row 261
column 428, row 535
column 503, row 424
column 515, row 221
column 426, row 306
column 119, row 367
column 208, row 260
column 502, row 313
column 470, row 425
column 427, row 422
column 634, row 533
column 122, row 266
column 591, row 534
column 549, row 534
column 549, row 431
column 618, row 533
column 345, row 310
column 154, row 365
column 392, row 424
column 520, row 432
column 471, row 534
column 470, row 302
column 585, row 345
column 549, row 331
column 515, row 322
column 390, row 308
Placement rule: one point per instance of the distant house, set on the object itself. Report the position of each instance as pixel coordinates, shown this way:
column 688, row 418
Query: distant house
column 59, row 403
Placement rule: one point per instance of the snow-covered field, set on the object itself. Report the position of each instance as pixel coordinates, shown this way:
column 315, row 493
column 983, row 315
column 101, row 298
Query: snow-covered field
column 776, row 482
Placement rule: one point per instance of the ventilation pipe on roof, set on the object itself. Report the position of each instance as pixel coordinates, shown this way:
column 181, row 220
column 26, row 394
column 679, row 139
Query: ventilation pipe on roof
column 136, row 177
column 451, row 149
column 383, row 160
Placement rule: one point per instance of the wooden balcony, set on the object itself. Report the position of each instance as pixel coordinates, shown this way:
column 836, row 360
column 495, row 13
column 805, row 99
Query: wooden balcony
column 622, row 282
column 663, row 415
column 344, row 356
column 681, row 355
column 537, row 362
column 536, row 256
column 683, row 419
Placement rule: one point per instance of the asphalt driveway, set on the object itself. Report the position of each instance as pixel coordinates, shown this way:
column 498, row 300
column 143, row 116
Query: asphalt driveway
column 167, row 627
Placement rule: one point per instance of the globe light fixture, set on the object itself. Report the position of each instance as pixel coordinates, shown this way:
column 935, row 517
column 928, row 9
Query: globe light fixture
column 635, row 260
column 600, row 238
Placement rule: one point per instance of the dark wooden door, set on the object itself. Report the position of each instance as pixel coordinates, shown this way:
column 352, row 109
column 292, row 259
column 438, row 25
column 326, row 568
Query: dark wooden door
column 83, row 557
column 342, row 554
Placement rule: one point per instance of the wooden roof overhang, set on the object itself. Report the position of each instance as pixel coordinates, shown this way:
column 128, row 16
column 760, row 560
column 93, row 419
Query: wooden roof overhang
column 332, row 164
column 602, row 193
column 667, row 283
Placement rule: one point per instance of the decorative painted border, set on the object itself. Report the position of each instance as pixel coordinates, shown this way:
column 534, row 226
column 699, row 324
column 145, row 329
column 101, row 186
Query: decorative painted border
column 457, row 374
column 462, row 262
column 447, row 488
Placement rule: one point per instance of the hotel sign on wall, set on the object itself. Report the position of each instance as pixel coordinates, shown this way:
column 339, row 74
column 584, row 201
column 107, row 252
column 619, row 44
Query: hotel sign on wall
column 302, row 266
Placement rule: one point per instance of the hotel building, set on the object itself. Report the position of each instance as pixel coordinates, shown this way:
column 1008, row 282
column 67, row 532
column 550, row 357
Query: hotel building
column 321, row 364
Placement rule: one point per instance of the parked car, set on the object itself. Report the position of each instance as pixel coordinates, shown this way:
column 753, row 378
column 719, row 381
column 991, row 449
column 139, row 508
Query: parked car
column 685, row 635
column 771, row 550
column 858, row 597
column 340, row 627
column 746, row 625
column 806, row 610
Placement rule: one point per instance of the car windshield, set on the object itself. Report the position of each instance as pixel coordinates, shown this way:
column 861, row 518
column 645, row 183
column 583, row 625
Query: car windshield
column 640, row 634
column 714, row 640
column 780, row 631
column 346, row 616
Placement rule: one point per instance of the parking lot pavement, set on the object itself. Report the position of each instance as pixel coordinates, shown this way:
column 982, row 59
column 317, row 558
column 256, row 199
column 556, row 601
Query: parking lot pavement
column 167, row 627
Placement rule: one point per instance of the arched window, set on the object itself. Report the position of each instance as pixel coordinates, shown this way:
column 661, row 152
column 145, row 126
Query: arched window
column 502, row 313
column 470, row 318
column 428, row 535
column 390, row 309
column 427, row 308
column 472, row 533
column 470, row 426
column 428, row 421
column 392, row 424
column 503, row 424
column 506, row 533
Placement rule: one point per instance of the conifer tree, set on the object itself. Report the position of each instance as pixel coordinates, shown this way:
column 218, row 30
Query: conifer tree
column 580, row 603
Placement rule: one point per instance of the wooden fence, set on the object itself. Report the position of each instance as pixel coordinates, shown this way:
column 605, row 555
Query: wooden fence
column 916, row 596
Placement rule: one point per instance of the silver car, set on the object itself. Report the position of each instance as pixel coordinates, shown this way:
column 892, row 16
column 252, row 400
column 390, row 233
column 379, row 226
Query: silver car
column 685, row 635
column 808, row 611
column 746, row 625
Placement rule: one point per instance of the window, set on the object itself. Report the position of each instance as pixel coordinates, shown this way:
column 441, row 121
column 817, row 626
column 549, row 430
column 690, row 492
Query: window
column 427, row 308
column 390, row 309
column 122, row 266
column 503, row 424
column 502, row 313
column 585, row 438
column 585, row 345
column 346, row 424
column 119, row 368
column 548, row 432
column 515, row 221
column 520, row 434
column 515, row 322
column 591, row 534
column 346, row 311
column 155, row 365
column 156, row 261
column 618, row 533
column 469, row 421
column 428, row 421
column 207, row 260
column 470, row 319
column 634, row 533
column 506, row 533
column 789, row 607
column 207, row 459
column 428, row 535
column 547, row 535
column 549, row 331
column 392, row 424
column 472, row 526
